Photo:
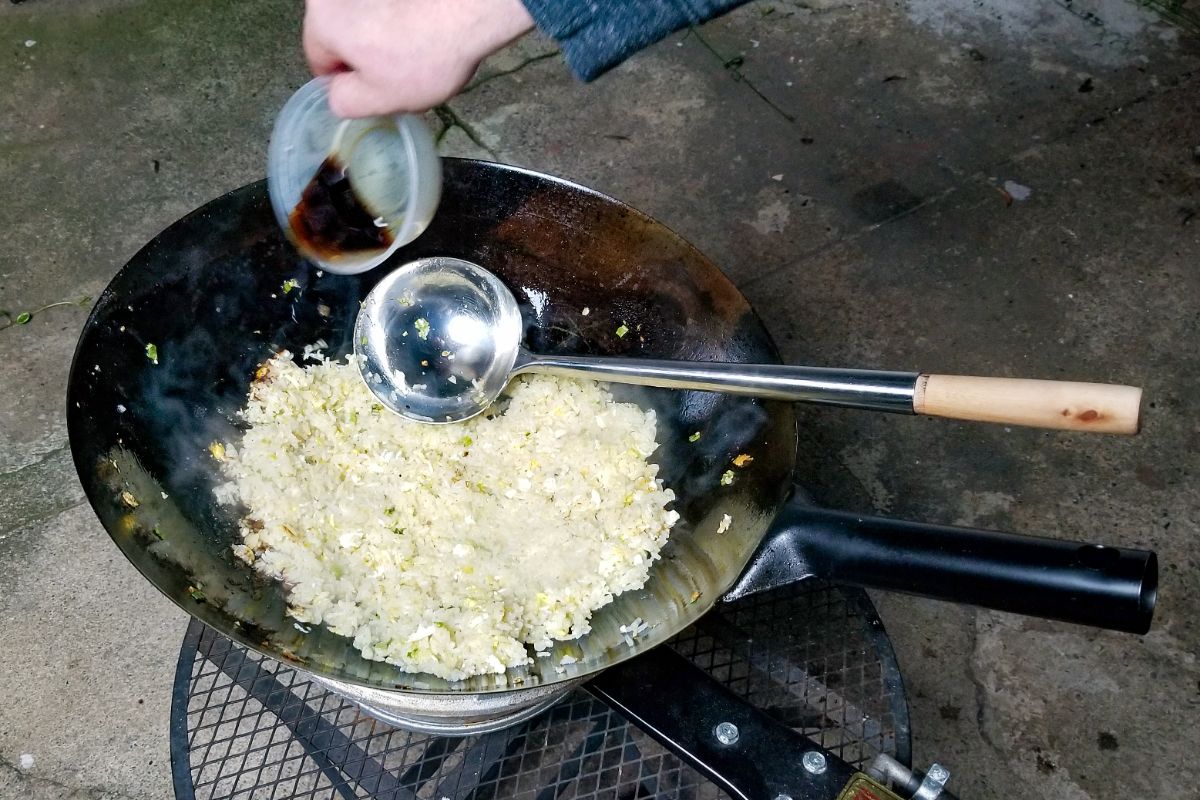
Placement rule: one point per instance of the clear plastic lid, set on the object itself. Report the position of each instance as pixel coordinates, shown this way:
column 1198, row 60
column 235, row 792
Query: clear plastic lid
column 394, row 181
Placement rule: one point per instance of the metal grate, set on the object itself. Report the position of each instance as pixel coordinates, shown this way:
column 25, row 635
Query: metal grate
column 812, row 655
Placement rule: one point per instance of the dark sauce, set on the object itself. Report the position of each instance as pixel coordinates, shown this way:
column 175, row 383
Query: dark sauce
column 330, row 220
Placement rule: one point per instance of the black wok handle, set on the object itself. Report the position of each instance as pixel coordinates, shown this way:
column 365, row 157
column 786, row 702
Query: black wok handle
column 1087, row 584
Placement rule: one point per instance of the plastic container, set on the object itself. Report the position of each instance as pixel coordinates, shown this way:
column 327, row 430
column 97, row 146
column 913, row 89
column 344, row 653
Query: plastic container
column 392, row 165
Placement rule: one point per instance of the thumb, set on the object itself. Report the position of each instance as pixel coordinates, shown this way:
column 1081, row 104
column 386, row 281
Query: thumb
column 350, row 95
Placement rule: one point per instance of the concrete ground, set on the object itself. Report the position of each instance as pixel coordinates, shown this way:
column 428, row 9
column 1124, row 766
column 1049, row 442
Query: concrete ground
column 846, row 163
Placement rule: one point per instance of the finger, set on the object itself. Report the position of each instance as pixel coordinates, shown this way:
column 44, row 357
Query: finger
column 322, row 60
column 350, row 95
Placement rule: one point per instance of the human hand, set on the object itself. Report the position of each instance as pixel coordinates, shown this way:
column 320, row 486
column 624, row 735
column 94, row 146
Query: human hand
column 390, row 56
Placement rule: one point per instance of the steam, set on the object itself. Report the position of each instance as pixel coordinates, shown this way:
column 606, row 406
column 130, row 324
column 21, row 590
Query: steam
column 216, row 295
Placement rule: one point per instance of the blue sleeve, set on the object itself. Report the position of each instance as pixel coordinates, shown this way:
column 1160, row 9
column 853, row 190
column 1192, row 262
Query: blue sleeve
column 597, row 35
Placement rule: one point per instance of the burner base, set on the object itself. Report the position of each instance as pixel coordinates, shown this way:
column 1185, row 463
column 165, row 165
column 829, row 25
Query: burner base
column 812, row 656
column 450, row 715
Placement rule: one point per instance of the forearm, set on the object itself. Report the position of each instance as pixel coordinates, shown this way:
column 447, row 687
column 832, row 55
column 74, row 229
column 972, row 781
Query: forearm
column 596, row 35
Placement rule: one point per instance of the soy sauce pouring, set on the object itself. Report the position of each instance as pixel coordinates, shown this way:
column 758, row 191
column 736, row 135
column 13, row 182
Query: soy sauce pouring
column 349, row 192
column 331, row 220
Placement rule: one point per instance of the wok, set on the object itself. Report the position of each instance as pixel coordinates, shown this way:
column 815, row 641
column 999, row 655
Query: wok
column 209, row 294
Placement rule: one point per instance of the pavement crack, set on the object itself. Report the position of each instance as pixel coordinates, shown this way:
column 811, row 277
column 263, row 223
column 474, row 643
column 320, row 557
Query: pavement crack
column 1172, row 11
column 50, row 513
column 450, row 119
column 852, row 236
column 860, row 485
column 27, row 780
column 505, row 73
column 46, row 456
column 821, row 10
column 1179, row 83
column 1175, row 13
column 981, row 691
column 733, row 67
column 26, row 502
column 932, row 199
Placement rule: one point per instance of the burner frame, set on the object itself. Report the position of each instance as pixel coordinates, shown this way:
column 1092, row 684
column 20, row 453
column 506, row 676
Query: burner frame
column 826, row 625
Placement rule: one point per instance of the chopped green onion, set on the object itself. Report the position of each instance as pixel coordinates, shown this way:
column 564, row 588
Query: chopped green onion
column 422, row 326
column 727, row 478
column 23, row 318
column 695, row 437
column 621, row 331
column 289, row 284
column 152, row 353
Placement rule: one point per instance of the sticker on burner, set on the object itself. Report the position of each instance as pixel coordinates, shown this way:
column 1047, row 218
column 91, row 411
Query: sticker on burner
column 861, row 787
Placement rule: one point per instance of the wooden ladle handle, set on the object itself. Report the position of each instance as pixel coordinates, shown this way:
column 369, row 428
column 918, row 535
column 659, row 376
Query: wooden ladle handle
column 1064, row 405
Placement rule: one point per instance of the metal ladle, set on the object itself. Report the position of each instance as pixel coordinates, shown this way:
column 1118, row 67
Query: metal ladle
column 439, row 338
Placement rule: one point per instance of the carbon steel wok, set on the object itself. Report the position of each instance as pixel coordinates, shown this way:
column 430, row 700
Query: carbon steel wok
column 208, row 293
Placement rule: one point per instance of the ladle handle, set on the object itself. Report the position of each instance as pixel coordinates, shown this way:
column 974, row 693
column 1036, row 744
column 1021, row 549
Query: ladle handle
column 1063, row 405
column 853, row 388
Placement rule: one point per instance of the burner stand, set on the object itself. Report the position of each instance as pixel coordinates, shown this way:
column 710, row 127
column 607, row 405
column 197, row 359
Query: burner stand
column 812, row 655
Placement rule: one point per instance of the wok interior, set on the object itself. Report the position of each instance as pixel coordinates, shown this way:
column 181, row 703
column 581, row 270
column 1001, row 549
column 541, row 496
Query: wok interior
column 209, row 294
